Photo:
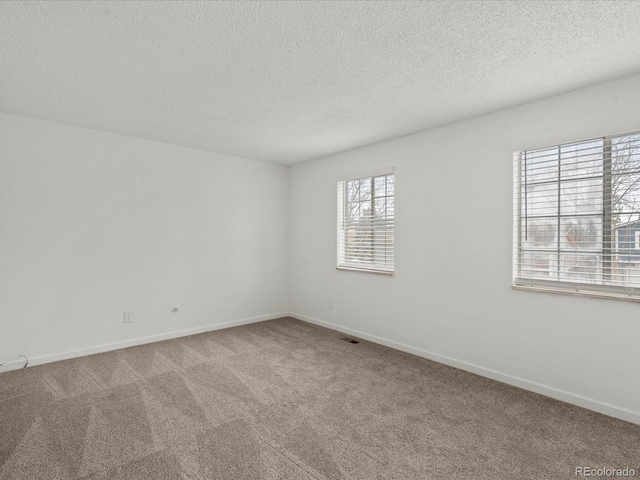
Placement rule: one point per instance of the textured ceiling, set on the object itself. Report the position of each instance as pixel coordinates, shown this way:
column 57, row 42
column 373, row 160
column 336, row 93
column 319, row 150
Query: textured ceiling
column 291, row 81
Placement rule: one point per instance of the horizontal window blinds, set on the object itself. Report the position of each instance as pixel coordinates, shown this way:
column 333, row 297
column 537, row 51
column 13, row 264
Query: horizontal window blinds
column 366, row 223
column 577, row 216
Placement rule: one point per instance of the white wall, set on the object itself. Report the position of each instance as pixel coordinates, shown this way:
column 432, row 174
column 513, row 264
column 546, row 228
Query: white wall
column 93, row 224
column 451, row 296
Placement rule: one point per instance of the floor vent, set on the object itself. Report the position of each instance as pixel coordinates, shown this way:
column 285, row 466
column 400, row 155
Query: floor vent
column 351, row 340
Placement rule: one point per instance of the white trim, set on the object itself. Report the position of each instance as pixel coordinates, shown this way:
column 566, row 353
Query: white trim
column 576, row 292
column 14, row 364
column 373, row 227
column 562, row 395
column 107, row 347
column 351, row 268
column 568, row 138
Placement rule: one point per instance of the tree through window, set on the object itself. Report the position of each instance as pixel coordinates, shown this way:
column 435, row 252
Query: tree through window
column 577, row 214
column 366, row 223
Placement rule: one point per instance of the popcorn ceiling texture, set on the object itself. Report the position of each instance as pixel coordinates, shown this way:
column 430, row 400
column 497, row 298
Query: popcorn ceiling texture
column 292, row 81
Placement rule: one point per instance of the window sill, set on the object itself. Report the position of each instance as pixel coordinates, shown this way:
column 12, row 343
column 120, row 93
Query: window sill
column 366, row 270
column 577, row 293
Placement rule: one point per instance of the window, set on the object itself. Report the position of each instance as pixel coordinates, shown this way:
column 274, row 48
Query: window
column 577, row 211
column 365, row 223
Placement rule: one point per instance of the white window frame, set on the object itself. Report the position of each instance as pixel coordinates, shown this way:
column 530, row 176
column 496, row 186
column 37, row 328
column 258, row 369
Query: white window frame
column 606, row 285
column 386, row 225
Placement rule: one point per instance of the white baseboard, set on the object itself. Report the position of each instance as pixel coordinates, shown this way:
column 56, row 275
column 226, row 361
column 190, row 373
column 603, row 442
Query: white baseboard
column 107, row 347
column 575, row 399
column 14, row 364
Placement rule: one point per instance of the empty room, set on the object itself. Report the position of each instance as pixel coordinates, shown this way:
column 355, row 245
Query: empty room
column 202, row 274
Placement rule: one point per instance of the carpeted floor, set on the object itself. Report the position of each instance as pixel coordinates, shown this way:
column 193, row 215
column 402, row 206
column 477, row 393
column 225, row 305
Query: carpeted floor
column 287, row 400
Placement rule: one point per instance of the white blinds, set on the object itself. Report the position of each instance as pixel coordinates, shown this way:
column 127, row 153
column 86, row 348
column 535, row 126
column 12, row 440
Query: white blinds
column 366, row 223
column 577, row 216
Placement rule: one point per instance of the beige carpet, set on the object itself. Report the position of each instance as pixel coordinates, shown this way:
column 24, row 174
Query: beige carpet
column 287, row 400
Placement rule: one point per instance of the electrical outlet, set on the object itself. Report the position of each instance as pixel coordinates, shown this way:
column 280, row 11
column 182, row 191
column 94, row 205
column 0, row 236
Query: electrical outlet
column 128, row 317
column 330, row 304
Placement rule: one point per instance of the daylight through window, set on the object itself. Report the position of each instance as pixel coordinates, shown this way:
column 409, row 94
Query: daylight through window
column 577, row 216
column 365, row 223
